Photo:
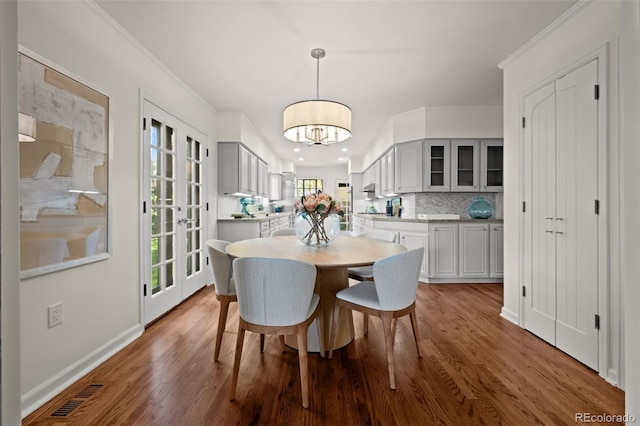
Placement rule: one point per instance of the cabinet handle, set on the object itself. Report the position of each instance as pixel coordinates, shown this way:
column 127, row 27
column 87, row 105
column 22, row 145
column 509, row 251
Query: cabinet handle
column 557, row 218
column 549, row 232
column 548, row 218
column 559, row 232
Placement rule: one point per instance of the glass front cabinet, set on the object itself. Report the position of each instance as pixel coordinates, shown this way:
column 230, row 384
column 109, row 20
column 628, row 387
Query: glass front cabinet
column 437, row 164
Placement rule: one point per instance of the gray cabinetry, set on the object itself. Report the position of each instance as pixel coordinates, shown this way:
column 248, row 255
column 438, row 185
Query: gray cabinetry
column 491, row 165
column 437, row 166
column 496, row 248
column 443, row 250
column 275, row 186
column 414, row 240
column 465, row 166
column 474, row 250
column 240, row 171
column 408, row 167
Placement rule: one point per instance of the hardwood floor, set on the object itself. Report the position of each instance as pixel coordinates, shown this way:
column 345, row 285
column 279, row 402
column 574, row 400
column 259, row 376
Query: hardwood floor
column 477, row 368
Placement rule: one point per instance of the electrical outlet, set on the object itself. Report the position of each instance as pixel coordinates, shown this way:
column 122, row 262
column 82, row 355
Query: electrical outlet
column 55, row 314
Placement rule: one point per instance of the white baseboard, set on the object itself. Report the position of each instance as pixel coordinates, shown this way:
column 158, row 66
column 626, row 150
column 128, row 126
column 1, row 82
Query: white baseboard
column 42, row 393
column 510, row 316
column 612, row 377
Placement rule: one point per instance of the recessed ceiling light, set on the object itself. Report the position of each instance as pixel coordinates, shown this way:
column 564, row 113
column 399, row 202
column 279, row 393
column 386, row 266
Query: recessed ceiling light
column 300, row 159
column 340, row 159
column 345, row 149
column 296, row 150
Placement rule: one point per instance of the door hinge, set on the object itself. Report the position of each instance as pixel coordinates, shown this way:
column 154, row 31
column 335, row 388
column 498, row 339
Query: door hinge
column 207, row 260
column 207, row 206
column 523, row 122
column 524, row 207
column 206, row 152
column 524, row 291
column 144, row 207
column 597, row 322
column 144, row 124
column 145, row 290
column 597, row 206
column 596, row 92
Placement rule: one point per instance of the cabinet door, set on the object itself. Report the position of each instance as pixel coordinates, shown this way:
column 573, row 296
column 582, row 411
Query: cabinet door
column 491, row 168
column 443, row 253
column 496, row 249
column 408, row 167
column 474, row 250
column 228, row 168
column 253, row 174
column 263, row 182
column 437, row 166
column 390, row 160
column 377, row 178
column 465, row 162
column 414, row 240
column 245, row 167
column 275, row 186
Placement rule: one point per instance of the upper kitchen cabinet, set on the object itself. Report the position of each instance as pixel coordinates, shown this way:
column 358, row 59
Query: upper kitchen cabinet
column 408, row 167
column 465, row 166
column 238, row 170
column 491, row 167
column 388, row 173
column 437, row 166
column 263, row 183
column 275, row 186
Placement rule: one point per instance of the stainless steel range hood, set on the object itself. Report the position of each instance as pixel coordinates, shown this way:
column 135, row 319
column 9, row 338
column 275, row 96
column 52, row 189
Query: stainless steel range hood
column 369, row 188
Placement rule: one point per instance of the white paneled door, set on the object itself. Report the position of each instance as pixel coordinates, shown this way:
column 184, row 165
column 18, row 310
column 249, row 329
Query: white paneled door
column 561, row 176
column 174, row 254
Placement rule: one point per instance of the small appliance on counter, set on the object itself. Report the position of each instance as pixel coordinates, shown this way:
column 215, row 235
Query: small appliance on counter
column 246, row 201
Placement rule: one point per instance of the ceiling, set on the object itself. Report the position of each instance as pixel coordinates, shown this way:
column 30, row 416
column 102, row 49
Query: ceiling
column 383, row 57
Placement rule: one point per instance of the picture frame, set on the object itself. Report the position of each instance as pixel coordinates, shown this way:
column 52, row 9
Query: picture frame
column 64, row 168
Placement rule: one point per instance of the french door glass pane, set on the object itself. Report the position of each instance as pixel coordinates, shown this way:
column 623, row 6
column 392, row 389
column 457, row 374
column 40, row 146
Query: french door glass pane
column 194, row 251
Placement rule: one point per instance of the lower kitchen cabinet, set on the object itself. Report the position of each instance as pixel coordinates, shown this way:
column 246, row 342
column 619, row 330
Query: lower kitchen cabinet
column 414, row 240
column 496, row 247
column 474, row 250
column 443, row 250
column 243, row 229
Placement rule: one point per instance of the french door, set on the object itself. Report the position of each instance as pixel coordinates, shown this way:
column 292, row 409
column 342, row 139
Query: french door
column 174, row 254
column 561, row 232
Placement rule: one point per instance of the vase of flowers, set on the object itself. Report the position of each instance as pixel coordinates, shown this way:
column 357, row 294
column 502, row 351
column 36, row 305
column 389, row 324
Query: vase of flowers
column 317, row 222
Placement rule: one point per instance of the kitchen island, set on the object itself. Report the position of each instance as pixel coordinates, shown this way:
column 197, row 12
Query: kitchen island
column 456, row 250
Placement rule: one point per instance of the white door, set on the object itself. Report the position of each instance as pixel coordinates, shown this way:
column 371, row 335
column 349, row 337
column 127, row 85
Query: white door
column 539, row 199
column 576, row 222
column 561, row 226
column 173, row 255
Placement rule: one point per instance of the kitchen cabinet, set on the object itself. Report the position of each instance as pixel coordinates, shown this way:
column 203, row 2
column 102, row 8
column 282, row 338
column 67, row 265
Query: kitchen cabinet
column 275, row 186
column 243, row 229
column 465, row 166
column 388, row 173
column 414, row 240
column 474, row 250
column 491, row 165
column 408, row 167
column 377, row 177
column 496, row 249
column 263, row 182
column 443, row 250
column 437, row 166
column 240, row 172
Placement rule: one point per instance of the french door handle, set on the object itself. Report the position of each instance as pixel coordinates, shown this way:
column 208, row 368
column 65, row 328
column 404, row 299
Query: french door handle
column 549, row 232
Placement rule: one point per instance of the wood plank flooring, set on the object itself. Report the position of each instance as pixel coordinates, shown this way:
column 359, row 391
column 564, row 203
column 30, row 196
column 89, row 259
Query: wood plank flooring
column 477, row 369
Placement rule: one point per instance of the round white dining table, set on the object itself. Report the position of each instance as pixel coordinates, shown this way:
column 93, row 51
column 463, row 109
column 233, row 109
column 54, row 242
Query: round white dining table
column 332, row 263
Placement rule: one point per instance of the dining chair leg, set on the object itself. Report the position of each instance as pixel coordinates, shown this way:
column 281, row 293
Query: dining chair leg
column 394, row 324
column 387, row 318
column 261, row 342
column 333, row 335
column 222, row 322
column 365, row 319
column 320, row 327
column 236, row 362
column 304, row 364
column 416, row 331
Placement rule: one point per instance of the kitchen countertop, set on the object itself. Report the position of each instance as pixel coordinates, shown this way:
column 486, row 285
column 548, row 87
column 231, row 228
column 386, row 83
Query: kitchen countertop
column 385, row 218
column 259, row 218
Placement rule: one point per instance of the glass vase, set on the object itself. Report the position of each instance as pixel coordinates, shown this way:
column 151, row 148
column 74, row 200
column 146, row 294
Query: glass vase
column 315, row 229
column 480, row 209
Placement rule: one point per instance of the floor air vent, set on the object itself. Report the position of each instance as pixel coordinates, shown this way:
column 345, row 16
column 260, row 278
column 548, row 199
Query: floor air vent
column 69, row 406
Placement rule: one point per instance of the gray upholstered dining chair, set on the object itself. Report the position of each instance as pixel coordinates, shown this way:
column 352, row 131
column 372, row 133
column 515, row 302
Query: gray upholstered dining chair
column 275, row 296
column 222, row 270
column 391, row 295
column 362, row 273
column 283, row 231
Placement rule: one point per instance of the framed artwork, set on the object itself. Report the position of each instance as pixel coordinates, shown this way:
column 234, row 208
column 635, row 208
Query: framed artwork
column 64, row 169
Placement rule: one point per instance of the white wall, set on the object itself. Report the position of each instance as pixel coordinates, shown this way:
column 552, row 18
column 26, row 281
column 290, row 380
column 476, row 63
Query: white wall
column 101, row 301
column 595, row 24
column 9, row 236
column 630, row 199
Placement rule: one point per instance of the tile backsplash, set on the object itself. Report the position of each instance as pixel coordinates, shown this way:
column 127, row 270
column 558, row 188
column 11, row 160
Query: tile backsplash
column 443, row 202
